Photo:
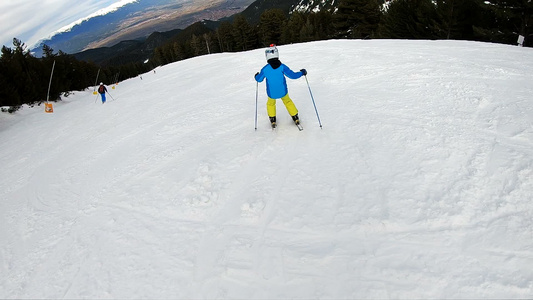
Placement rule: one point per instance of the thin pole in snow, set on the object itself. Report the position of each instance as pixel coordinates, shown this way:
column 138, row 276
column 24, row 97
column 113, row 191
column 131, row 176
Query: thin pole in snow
column 50, row 83
column 96, row 81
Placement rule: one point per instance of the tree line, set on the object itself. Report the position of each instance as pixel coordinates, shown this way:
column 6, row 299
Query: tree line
column 24, row 78
column 501, row 21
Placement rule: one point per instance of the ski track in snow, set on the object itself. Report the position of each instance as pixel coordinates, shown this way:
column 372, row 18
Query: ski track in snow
column 419, row 185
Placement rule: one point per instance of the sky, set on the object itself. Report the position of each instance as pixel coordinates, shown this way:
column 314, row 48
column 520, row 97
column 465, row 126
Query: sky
column 417, row 186
column 34, row 20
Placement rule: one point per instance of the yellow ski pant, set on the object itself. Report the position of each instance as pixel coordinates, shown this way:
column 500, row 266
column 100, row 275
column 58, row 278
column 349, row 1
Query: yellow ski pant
column 271, row 106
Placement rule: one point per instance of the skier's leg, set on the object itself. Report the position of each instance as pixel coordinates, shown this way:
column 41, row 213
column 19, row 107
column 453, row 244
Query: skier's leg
column 271, row 107
column 271, row 110
column 103, row 97
column 291, row 108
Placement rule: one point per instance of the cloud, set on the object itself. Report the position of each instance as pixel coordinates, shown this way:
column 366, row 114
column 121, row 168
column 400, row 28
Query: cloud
column 34, row 20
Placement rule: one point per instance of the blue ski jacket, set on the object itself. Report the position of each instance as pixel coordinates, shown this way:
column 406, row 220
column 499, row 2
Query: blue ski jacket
column 276, row 85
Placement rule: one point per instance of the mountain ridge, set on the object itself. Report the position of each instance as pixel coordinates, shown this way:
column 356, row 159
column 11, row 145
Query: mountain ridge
column 137, row 20
column 128, row 51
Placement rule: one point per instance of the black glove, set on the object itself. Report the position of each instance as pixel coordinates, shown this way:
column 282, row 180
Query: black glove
column 256, row 74
column 304, row 72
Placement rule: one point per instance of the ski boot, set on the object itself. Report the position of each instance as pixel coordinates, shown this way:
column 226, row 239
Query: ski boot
column 273, row 122
column 296, row 119
column 297, row 122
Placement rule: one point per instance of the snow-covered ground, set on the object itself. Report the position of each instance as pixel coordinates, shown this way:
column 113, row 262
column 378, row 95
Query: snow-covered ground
column 419, row 185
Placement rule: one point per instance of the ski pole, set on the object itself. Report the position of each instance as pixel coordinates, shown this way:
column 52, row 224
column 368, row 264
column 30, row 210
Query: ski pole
column 256, row 88
column 111, row 96
column 313, row 99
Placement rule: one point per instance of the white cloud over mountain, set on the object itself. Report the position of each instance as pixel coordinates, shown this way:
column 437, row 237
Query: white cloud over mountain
column 34, row 20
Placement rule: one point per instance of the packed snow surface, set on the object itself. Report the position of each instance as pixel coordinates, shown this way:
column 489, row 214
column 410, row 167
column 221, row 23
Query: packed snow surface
column 419, row 185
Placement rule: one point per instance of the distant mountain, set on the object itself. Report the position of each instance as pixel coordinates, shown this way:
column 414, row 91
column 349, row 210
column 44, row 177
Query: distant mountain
column 137, row 20
column 126, row 51
column 138, row 50
column 133, row 51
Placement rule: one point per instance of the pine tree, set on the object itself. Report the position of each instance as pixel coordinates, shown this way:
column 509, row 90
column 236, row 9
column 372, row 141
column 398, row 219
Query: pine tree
column 182, row 50
column 25, row 78
column 47, row 51
column 357, row 18
column 270, row 26
column 225, row 37
column 410, row 19
column 458, row 18
column 291, row 31
column 196, row 45
column 243, row 33
column 307, row 32
column 323, row 24
column 158, row 57
column 512, row 18
column 8, row 92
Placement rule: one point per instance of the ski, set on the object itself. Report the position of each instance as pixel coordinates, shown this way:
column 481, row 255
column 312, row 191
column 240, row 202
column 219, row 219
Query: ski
column 297, row 123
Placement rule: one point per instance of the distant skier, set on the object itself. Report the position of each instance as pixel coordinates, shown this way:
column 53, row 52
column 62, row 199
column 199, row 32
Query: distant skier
column 276, row 85
column 102, row 90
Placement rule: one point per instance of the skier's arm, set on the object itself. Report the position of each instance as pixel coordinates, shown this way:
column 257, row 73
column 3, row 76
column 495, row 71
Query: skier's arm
column 259, row 76
column 290, row 73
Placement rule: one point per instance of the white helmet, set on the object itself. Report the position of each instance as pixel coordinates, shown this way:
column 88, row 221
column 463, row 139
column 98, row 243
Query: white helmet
column 271, row 52
column 101, row 83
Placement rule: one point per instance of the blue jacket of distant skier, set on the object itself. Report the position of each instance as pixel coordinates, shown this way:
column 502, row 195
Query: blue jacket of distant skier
column 275, row 72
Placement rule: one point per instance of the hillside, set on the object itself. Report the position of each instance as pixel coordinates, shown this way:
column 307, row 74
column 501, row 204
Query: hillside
column 253, row 12
column 132, row 51
column 418, row 186
column 138, row 20
column 136, row 51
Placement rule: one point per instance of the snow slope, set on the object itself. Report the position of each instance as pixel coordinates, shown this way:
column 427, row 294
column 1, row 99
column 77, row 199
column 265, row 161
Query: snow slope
column 419, row 185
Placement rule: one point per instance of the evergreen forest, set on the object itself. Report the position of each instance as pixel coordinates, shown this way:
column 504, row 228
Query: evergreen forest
column 24, row 79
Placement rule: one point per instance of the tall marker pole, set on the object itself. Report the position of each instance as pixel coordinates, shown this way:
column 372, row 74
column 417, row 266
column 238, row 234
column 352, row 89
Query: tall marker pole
column 50, row 83
column 48, row 106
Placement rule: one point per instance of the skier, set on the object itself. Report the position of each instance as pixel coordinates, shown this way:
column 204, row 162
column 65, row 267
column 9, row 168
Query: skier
column 102, row 90
column 276, row 85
